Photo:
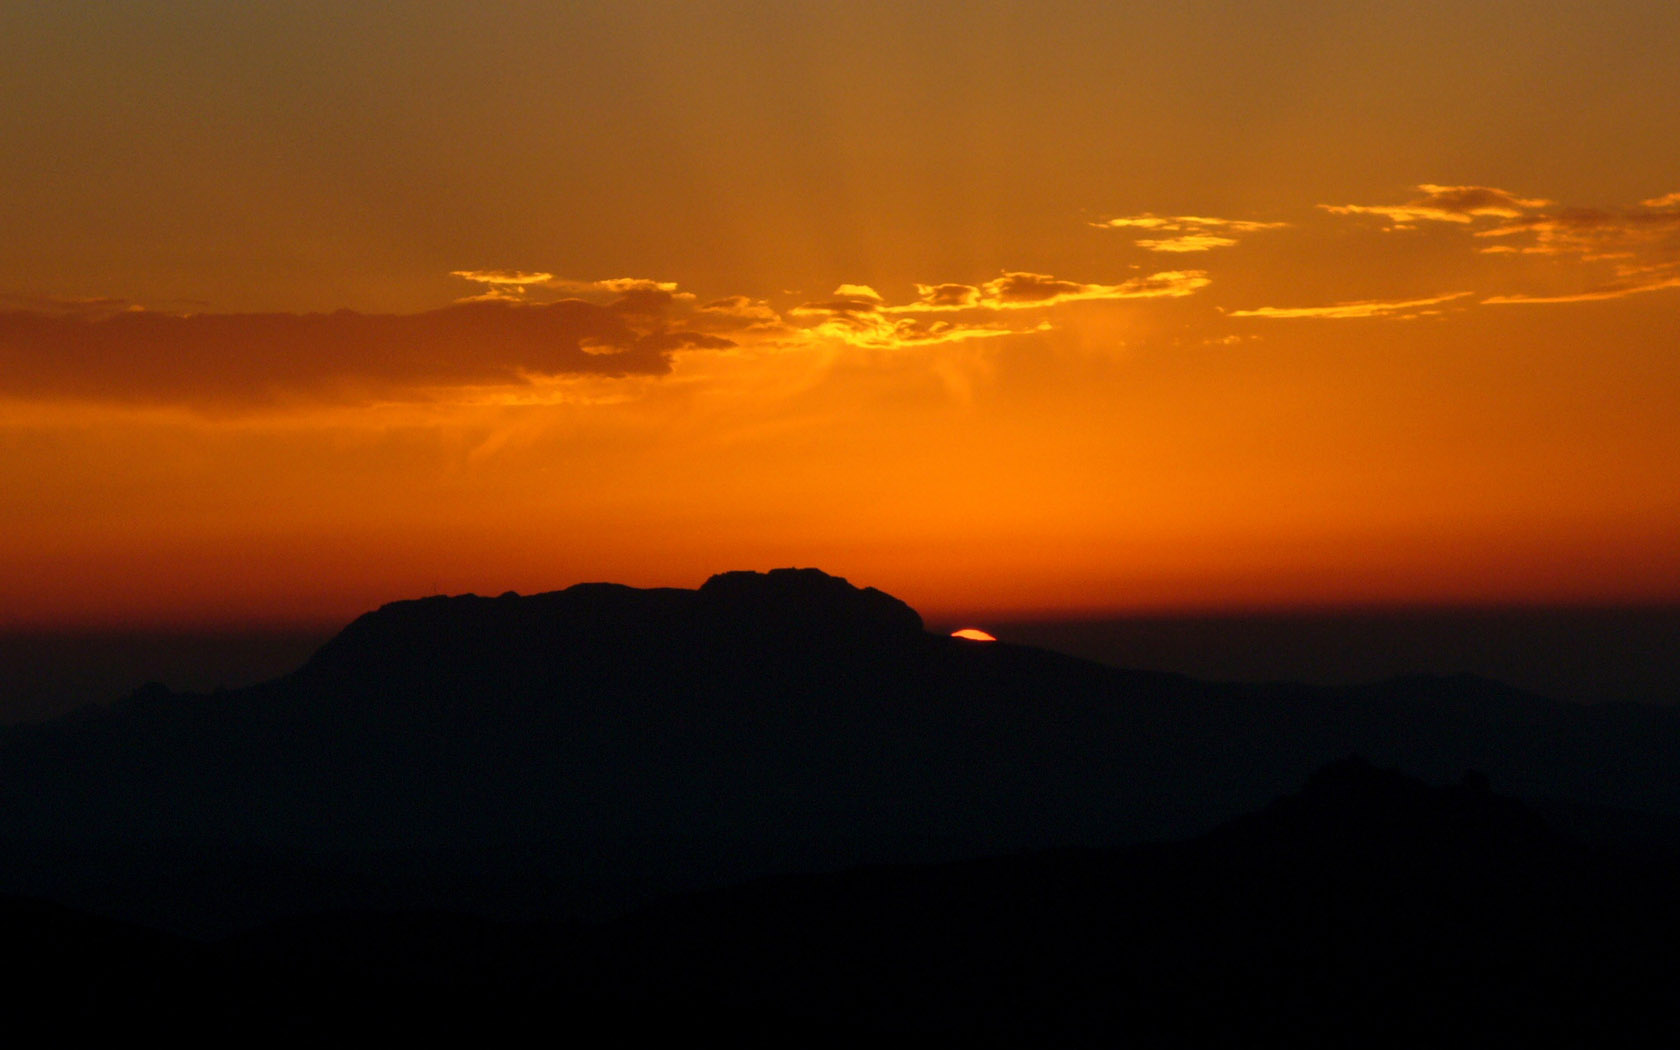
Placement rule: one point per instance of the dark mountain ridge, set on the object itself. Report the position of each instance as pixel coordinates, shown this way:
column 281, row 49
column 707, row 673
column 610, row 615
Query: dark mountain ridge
column 578, row 752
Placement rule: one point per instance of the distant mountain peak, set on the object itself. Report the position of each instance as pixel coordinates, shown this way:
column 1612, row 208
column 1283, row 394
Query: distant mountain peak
column 1350, row 802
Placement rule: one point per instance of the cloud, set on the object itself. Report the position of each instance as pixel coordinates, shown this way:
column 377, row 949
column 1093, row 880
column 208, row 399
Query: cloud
column 1630, row 285
column 647, row 305
column 1020, row 290
column 1191, row 233
column 849, row 299
column 1454, row 204
column 611, row 286
column 519, row 286
column 1546, row 229
column 1189, row 242
column 513, row 277
column 859, row 315
column 858, row 291
column 946, row 297
column 73, row 306
column 878, row 332
column 231, row 361
column 1403, row 308
column 506, row 285
column 1594, row 233
column 1642, row 242
column 741, row 308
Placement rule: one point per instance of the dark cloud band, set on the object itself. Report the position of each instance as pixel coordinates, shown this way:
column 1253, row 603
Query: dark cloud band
column 243, row 359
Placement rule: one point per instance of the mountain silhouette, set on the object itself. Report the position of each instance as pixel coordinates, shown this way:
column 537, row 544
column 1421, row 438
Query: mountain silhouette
column 579, row 753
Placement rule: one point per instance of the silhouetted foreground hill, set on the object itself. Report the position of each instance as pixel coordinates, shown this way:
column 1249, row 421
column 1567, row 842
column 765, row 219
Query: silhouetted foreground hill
column 579, row 753
column 1367, row 910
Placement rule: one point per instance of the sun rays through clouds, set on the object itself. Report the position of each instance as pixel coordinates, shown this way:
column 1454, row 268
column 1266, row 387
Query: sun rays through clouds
column 1160, row 412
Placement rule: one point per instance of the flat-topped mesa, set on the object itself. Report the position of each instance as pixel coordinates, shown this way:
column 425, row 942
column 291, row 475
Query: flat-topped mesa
column 784, row 610
column 809, row 603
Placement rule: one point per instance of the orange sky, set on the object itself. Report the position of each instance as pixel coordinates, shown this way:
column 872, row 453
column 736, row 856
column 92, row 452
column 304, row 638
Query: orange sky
column 998, row 307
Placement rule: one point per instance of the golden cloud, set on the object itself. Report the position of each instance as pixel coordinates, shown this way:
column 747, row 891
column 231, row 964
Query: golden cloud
column 743, row 308
column 611, row 286
column 1191, row 233
column 500, row 285
column 848, row 299
column 1631, row 285
column 1591, row 232
column 946, row 297
column 1455, row 204
column 509, row 277
column 1595, row 232
column 876, row 332
column 1019, row 290
column 1189, row 242
column 858, row 315
column 1403, row 308
column 518, row 286
column 1642, row 241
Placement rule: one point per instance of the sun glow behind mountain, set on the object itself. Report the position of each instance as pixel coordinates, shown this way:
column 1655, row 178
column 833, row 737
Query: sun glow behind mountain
column 973, row 634
column 309, row 336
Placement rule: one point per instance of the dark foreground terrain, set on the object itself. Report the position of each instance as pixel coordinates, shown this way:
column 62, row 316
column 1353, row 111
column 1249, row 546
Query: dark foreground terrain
column 1366, row 910
column 776, row 809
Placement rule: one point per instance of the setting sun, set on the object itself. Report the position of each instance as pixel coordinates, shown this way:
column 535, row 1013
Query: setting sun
column 520, row 463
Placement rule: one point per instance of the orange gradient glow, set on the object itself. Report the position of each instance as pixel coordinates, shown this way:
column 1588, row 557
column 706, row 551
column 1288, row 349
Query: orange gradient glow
column 445, row 302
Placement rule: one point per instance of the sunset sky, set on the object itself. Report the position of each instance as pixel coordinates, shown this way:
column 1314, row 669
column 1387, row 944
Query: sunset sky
column 999, row 307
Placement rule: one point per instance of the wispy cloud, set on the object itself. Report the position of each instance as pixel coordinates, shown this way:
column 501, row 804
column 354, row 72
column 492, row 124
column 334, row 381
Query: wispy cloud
column 860, row 315
column 500, row 285
column 1619, row 289
column 1454, row 204
column 1020, row 290
column 92, row 306
column 1186, row 233
column 742, row 308
column 1363, row 308
column 1594, row 233
column 1189, row 242
column 879, row 332
column 611, row 286
column 847, row 299
column 946, row 297
column 857, row 315
column 1542, row 226
column 519, row 286
column 1641, row 243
